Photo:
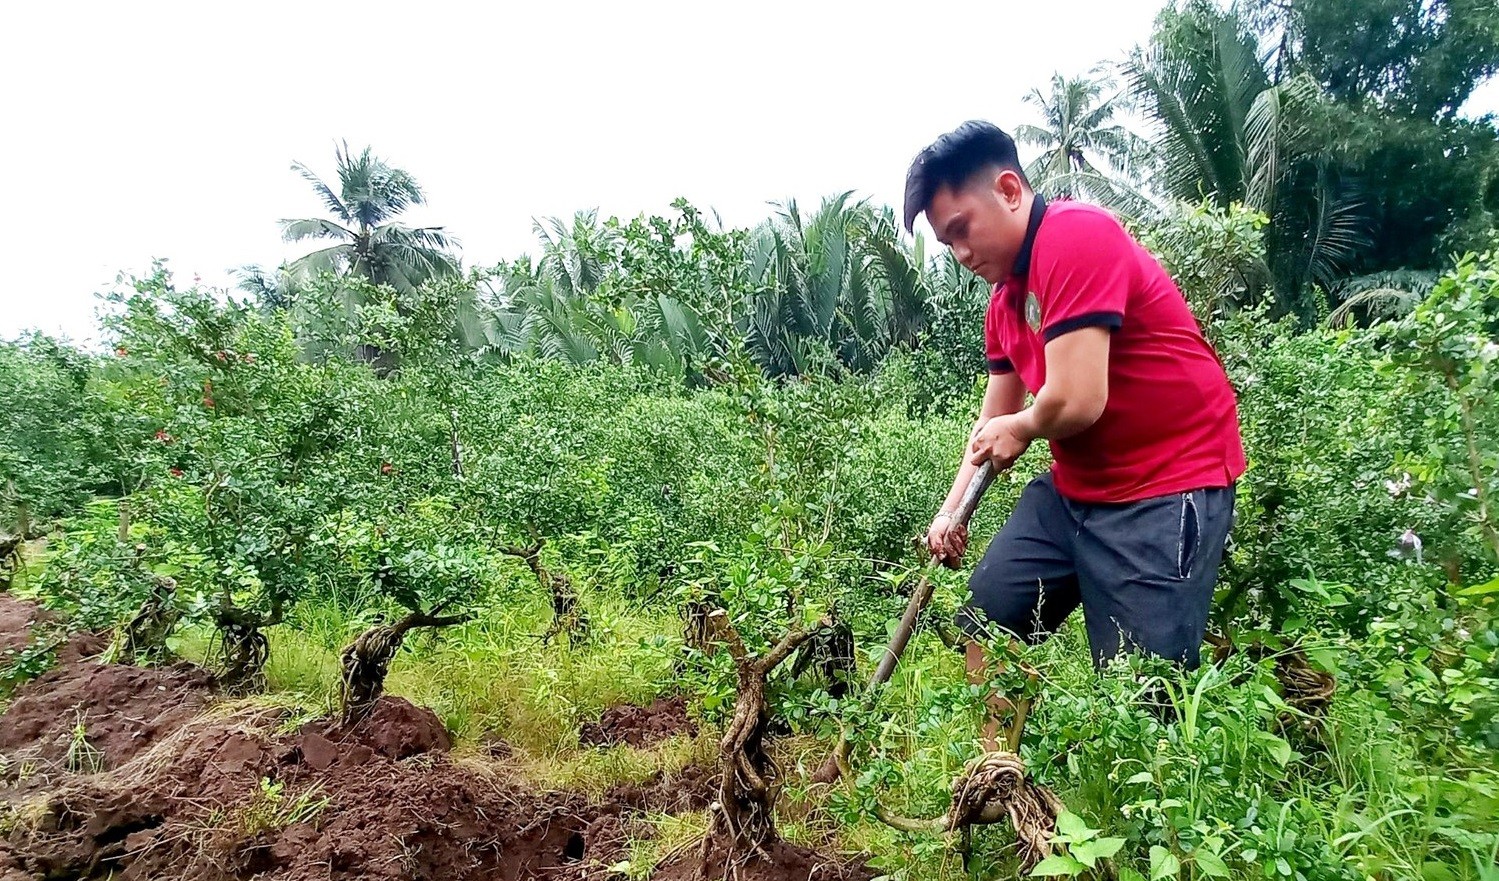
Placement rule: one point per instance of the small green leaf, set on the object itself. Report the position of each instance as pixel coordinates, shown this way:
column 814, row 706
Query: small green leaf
column 1072, row 827
column 1091, row 852
column 1209, row 863
column 1142, row 777
column 1282, row 866
column 1163, row 863
column 1058, row 864
column 1128, row 874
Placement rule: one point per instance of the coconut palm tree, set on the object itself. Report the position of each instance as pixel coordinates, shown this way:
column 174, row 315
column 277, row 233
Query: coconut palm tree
column 370, row 242
column 1086, row 152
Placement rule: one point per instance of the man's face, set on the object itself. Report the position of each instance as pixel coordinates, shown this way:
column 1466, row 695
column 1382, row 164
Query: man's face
column 983, row 223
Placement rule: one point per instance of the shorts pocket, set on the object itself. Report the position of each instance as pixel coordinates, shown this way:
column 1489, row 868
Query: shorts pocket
column 1189, row 536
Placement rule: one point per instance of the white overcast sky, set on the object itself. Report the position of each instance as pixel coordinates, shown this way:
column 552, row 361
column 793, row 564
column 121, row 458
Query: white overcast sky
column 153, row 129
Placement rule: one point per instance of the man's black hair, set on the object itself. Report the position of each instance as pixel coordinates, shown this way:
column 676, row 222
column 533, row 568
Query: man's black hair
column 953, row 159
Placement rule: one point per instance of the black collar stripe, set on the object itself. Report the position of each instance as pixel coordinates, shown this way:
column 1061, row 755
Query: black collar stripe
column 1023, row 259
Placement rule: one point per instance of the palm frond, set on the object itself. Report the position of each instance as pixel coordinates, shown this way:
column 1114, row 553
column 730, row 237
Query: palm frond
column 1339, row 231
column 1379, row 303
column 335, row 260
column 314, row 228
column 1276, row 129
column 329, row 199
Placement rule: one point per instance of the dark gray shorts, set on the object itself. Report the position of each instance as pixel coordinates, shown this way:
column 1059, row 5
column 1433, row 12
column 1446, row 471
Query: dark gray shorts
column 1143, row 571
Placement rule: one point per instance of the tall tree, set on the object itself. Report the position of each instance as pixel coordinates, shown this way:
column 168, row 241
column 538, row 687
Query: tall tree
column 1087, row 153
column 1232, row 135
column 1419, row 58
column 370, row 241
column 1397, row 72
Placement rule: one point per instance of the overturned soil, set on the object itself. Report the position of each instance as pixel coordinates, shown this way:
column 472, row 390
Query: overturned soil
column 17, row 620
column 177, row 787
column 226, row 798
column 639, row 726
column 81, row 715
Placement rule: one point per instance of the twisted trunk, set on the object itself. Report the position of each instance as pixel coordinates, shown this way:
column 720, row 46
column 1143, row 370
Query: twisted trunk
column 366, row 661
column 246, row 648
column 568, row 617
column 144, row 638
column 743, row 816
column 10, row 559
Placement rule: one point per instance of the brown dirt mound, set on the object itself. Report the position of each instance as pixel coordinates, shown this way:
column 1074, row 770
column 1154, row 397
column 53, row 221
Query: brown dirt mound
column 639, row 726
column 17, row 618
column 123, row 710
column 22, row 621
column 196, row 807
column 396, row 729
column 787, row 862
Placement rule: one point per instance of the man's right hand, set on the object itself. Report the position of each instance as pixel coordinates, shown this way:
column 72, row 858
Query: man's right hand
column 947, row 540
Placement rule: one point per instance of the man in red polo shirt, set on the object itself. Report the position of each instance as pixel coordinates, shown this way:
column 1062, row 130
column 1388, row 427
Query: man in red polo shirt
column 1132, row 519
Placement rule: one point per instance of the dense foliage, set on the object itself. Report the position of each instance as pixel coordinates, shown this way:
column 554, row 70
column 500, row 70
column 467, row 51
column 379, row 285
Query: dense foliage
column 259, row 479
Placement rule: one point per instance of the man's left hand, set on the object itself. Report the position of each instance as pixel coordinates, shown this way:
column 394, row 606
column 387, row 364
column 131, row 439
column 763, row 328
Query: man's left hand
column 999, row 441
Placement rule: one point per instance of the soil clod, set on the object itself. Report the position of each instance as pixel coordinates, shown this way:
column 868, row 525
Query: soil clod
column 639, row 726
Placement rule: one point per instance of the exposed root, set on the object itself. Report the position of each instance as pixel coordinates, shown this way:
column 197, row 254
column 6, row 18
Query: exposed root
column 10, row 558
column 245, row 646
column 366, row 661
column 742, row 822
column 1306, row 689
column 568, row 617
column 246, row 651
column 994, row 787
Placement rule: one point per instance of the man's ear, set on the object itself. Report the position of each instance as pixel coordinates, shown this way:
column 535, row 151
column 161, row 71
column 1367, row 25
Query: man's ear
column 1009, row 188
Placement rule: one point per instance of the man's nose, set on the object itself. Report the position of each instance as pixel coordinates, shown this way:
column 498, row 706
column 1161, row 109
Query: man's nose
column 963, row 253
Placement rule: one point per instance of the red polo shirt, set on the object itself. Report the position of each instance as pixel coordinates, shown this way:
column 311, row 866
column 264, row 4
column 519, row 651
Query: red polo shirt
column 1171, row 423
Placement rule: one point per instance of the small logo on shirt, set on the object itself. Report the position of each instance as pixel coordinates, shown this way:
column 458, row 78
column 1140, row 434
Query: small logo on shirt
column 1033, row 312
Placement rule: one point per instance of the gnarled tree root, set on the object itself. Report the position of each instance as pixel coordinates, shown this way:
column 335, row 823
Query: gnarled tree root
column 992, row 788
column 246, row 651
column 10, row 559
column 144, row 638
column 568, row 616
column 1304, row 688
column 742, row 824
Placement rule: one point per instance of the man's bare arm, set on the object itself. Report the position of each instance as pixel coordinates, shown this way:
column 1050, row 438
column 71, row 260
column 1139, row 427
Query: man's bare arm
column 1076, row 389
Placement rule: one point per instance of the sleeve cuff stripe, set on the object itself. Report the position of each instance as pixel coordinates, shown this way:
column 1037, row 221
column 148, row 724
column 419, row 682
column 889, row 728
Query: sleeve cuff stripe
column 1001, row 365
column 1111, row 320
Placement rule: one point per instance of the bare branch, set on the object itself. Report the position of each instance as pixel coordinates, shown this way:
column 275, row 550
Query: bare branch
column 789, row 644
